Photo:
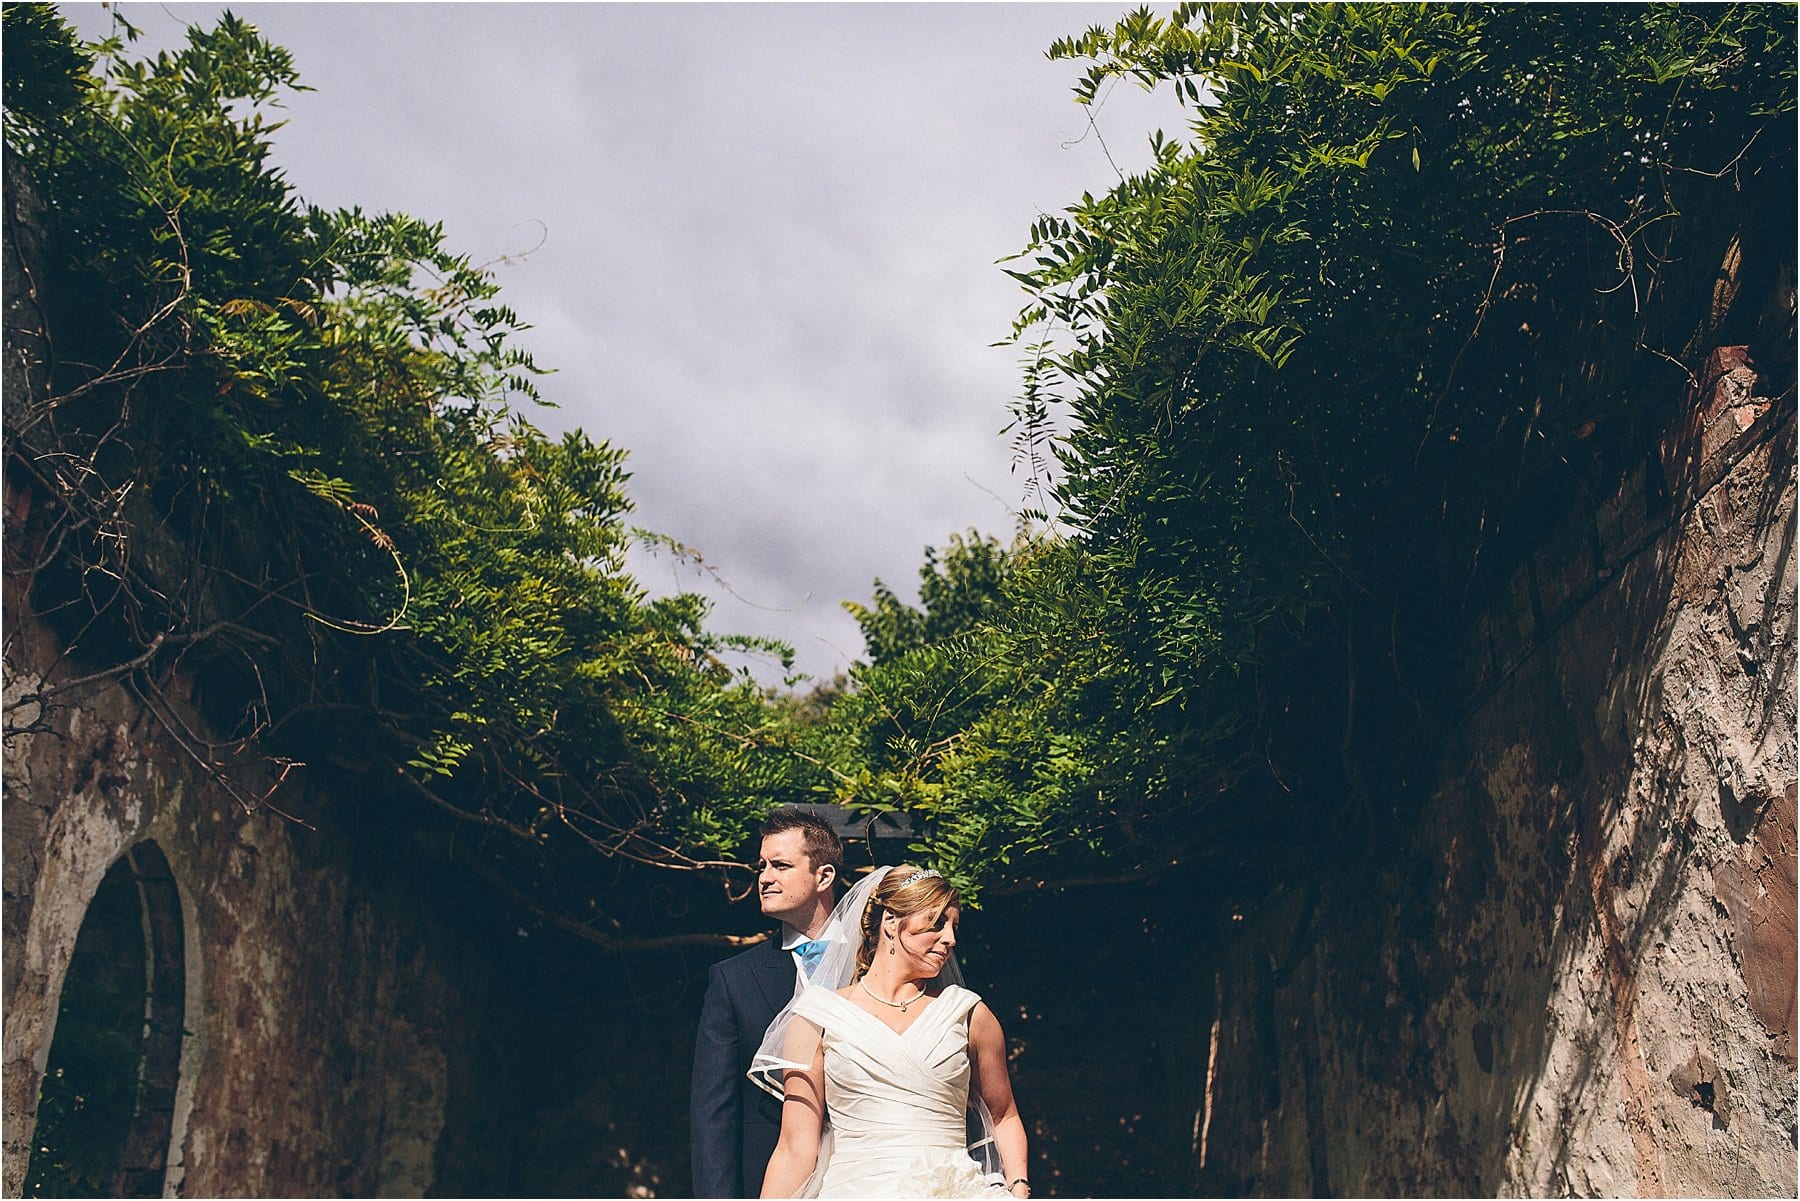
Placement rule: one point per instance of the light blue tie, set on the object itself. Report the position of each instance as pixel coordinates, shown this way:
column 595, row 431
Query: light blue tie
column 810, row 952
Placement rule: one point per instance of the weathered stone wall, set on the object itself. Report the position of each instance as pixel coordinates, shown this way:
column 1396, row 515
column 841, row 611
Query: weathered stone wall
column 1584, row 984
column 321, row 1001
column 361, row 1020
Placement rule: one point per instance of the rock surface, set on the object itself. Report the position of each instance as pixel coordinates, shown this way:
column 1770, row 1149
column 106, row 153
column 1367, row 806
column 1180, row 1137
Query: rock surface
column 1588, row 987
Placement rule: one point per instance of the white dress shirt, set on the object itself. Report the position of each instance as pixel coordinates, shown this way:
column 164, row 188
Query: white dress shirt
column 790, row 940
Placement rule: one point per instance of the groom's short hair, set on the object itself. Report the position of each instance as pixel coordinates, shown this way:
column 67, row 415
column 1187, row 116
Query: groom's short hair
column 821, row 842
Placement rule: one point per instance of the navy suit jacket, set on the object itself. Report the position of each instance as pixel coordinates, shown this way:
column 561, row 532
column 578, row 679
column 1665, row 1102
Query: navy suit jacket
column 734, row 1123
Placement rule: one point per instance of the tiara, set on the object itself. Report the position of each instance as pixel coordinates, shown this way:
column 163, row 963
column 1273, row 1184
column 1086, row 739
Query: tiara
column 930, row 873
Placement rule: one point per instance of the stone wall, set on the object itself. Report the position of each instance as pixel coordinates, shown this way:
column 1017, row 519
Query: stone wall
column 360, row 1019
column 319, row 1001
column 1579, row 980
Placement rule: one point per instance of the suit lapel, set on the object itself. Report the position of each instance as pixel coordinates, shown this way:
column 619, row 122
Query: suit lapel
column 775, row 975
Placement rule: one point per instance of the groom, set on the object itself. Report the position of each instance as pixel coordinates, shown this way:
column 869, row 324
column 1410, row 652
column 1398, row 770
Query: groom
column 735, row 1124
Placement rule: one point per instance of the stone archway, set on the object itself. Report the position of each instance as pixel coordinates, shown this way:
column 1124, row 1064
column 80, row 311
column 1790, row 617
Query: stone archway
column 107, row 1103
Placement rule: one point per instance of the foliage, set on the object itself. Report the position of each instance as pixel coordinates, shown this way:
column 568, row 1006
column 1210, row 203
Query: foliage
column 1406, row 286
column 1265, row 328
column 1413, row 274
column 956, row 597
column 46, row 71
column 289, row 457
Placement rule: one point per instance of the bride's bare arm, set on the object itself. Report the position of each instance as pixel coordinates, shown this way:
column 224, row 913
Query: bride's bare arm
column 987, row 1046
column 802, row 1118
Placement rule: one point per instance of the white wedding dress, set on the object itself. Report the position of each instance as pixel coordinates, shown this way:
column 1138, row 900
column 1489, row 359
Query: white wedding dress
column 897, row 1103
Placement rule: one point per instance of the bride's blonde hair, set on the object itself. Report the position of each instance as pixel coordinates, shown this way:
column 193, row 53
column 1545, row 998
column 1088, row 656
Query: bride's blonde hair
column 895, row 895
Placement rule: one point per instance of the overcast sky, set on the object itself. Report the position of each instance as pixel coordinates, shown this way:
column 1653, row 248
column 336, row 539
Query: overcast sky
column 765, row 240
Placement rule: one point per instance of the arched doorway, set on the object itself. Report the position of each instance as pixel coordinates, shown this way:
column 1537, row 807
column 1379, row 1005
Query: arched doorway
column 107, row 1102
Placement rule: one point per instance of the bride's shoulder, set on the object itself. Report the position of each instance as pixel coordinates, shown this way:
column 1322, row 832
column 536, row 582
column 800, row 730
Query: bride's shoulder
column 812, row 1003
column 959, row 997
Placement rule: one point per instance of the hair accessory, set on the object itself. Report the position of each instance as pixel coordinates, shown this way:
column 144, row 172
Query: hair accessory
column 930, row 873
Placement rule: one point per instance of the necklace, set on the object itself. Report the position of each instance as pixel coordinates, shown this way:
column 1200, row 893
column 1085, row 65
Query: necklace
column 863, row 983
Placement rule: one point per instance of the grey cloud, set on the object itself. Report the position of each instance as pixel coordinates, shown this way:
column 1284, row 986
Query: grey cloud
column 768, row 244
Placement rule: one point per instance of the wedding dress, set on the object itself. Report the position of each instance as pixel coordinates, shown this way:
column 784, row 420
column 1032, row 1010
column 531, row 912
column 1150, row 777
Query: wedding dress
column 897, row 1101
column 899, row 1117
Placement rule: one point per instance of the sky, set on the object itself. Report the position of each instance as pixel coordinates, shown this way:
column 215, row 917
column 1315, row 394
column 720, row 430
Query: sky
column 757, row 243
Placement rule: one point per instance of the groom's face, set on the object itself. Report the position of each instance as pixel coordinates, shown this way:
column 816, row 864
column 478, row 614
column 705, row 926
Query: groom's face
column 786, row 881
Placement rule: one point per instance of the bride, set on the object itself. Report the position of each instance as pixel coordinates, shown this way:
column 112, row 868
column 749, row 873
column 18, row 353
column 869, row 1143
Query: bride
column 882, row 1055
